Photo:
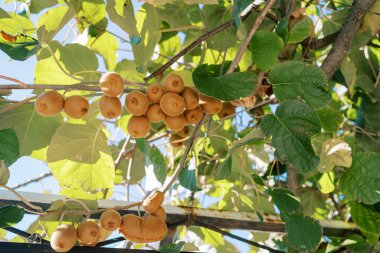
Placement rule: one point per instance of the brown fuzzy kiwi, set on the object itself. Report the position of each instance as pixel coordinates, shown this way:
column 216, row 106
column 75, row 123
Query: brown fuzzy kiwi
column 111, row 84
column 176, row 123
column 176, row 141
column 210, row 105
column 136, row 103
column 191, row 98
column 160, row 212
column 154, row 92
column 110, row 107
column 143, row 229
column 172, row 104
column 138, row 126
column 63, row 238
column 110, row 220
column 184, row 132
column 153, row 201
column 193, row 116
column 173, row 83
column 154, row 113
column 227, row 110
column 88, row 232
column 49, row 103
column 76, row 107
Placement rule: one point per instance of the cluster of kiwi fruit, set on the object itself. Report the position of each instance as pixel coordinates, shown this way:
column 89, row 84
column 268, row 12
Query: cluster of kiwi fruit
column 173, row 103
column 51, row 103
column 150, row 228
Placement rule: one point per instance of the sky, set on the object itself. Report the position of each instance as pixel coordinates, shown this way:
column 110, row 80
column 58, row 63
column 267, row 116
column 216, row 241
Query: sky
column 27, row 168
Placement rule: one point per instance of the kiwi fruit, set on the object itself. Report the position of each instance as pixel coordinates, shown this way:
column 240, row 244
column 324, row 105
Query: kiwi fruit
column 176, row 141
column 153, row 201
column 172, row 104
column 227, row 110
column 143, row 229
column 193, row 116
column 160, row 212
column 173, row 83
column 49, row 103
column 111, row 84
column 110, row 220
column 138, row 126
column 154, row 113
column 63, row 238
column 209, row 104
column 110, row 107
column 136, row 103
column 76, row 107
column 88, row 232
column 154, row 93
column 191, row 98
column 184, row 132
column 176, row 123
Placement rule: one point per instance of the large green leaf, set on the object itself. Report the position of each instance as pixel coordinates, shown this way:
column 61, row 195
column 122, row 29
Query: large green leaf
column 285, row 201
column 34, row 132
column 10, row 215
column 188, row 178
column 291, row 128
column 9, row 146
column 304, row 233
column 293, row 80
column 226, row 87
column 106, row 45
column 265, row 47
column 335, row 152
column 79, row 156
column 330, row 118
column 300, row 31
column 76, row 59
column 154, row 157
column 51, row 22
column 177, row 13
column 361, row 181
column 122, row 14
column 365, row 217
column 21, row 49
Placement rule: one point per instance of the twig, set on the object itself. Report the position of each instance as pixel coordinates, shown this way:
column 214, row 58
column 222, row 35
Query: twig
column 66, row 87
column 255, row 26
column 184, row 156
column 34, row 180
column 337, row 207
column 117, row 161
column 344, row 39
column 15, row 105
column 292, row 179
column 12, row 80
column 24, row 200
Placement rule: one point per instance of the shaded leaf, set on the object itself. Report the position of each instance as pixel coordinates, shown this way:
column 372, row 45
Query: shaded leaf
column 10, row 215
column 285, row 201
column 21, row 48
column 365, row 217
column 330, row 118
column 300, row 31
column 188, row 179
column 223, row 171
column 172, row 247
column 9, row 146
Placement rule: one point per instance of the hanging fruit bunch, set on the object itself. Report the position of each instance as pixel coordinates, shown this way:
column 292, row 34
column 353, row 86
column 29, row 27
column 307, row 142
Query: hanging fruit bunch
column 149, row 228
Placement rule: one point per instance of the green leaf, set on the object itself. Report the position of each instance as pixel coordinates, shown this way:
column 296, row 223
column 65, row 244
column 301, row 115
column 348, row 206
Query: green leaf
column 188, row 179
column 10, row 215
column 79, row 156
column 37, row 6
column 226, row 87
column 304, row 233
column 285, row 201
column 106, row 45
column 9, row 146
column 293, row 80
column 34, row 132
column 223, row 171
column 265, row 47
column 311, row 201
column 330, row 118
column 21, row 49
column 4, row 173
column 172, row 247
column 177, row 13
column 361, row 181
column 51, row 22
column 300, row 31
column 282, row 29
column 154, row 157
column 335, row 152
column 122, row 14
column 291, row 128
column 128, row 70
column 326, row 183
column 365, row 217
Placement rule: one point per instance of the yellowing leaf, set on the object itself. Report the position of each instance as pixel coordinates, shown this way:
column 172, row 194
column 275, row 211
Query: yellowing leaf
column 335, row 152
column 326, row 183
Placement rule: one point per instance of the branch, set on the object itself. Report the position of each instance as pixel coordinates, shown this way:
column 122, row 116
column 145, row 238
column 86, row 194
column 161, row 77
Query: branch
column 185, row 155
column 344, row 39
column 195, row 43
column 12, row 80
column 255, row 26
column 15, row 105
column 292, row 179
column 66, row 87
column 34, row 180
